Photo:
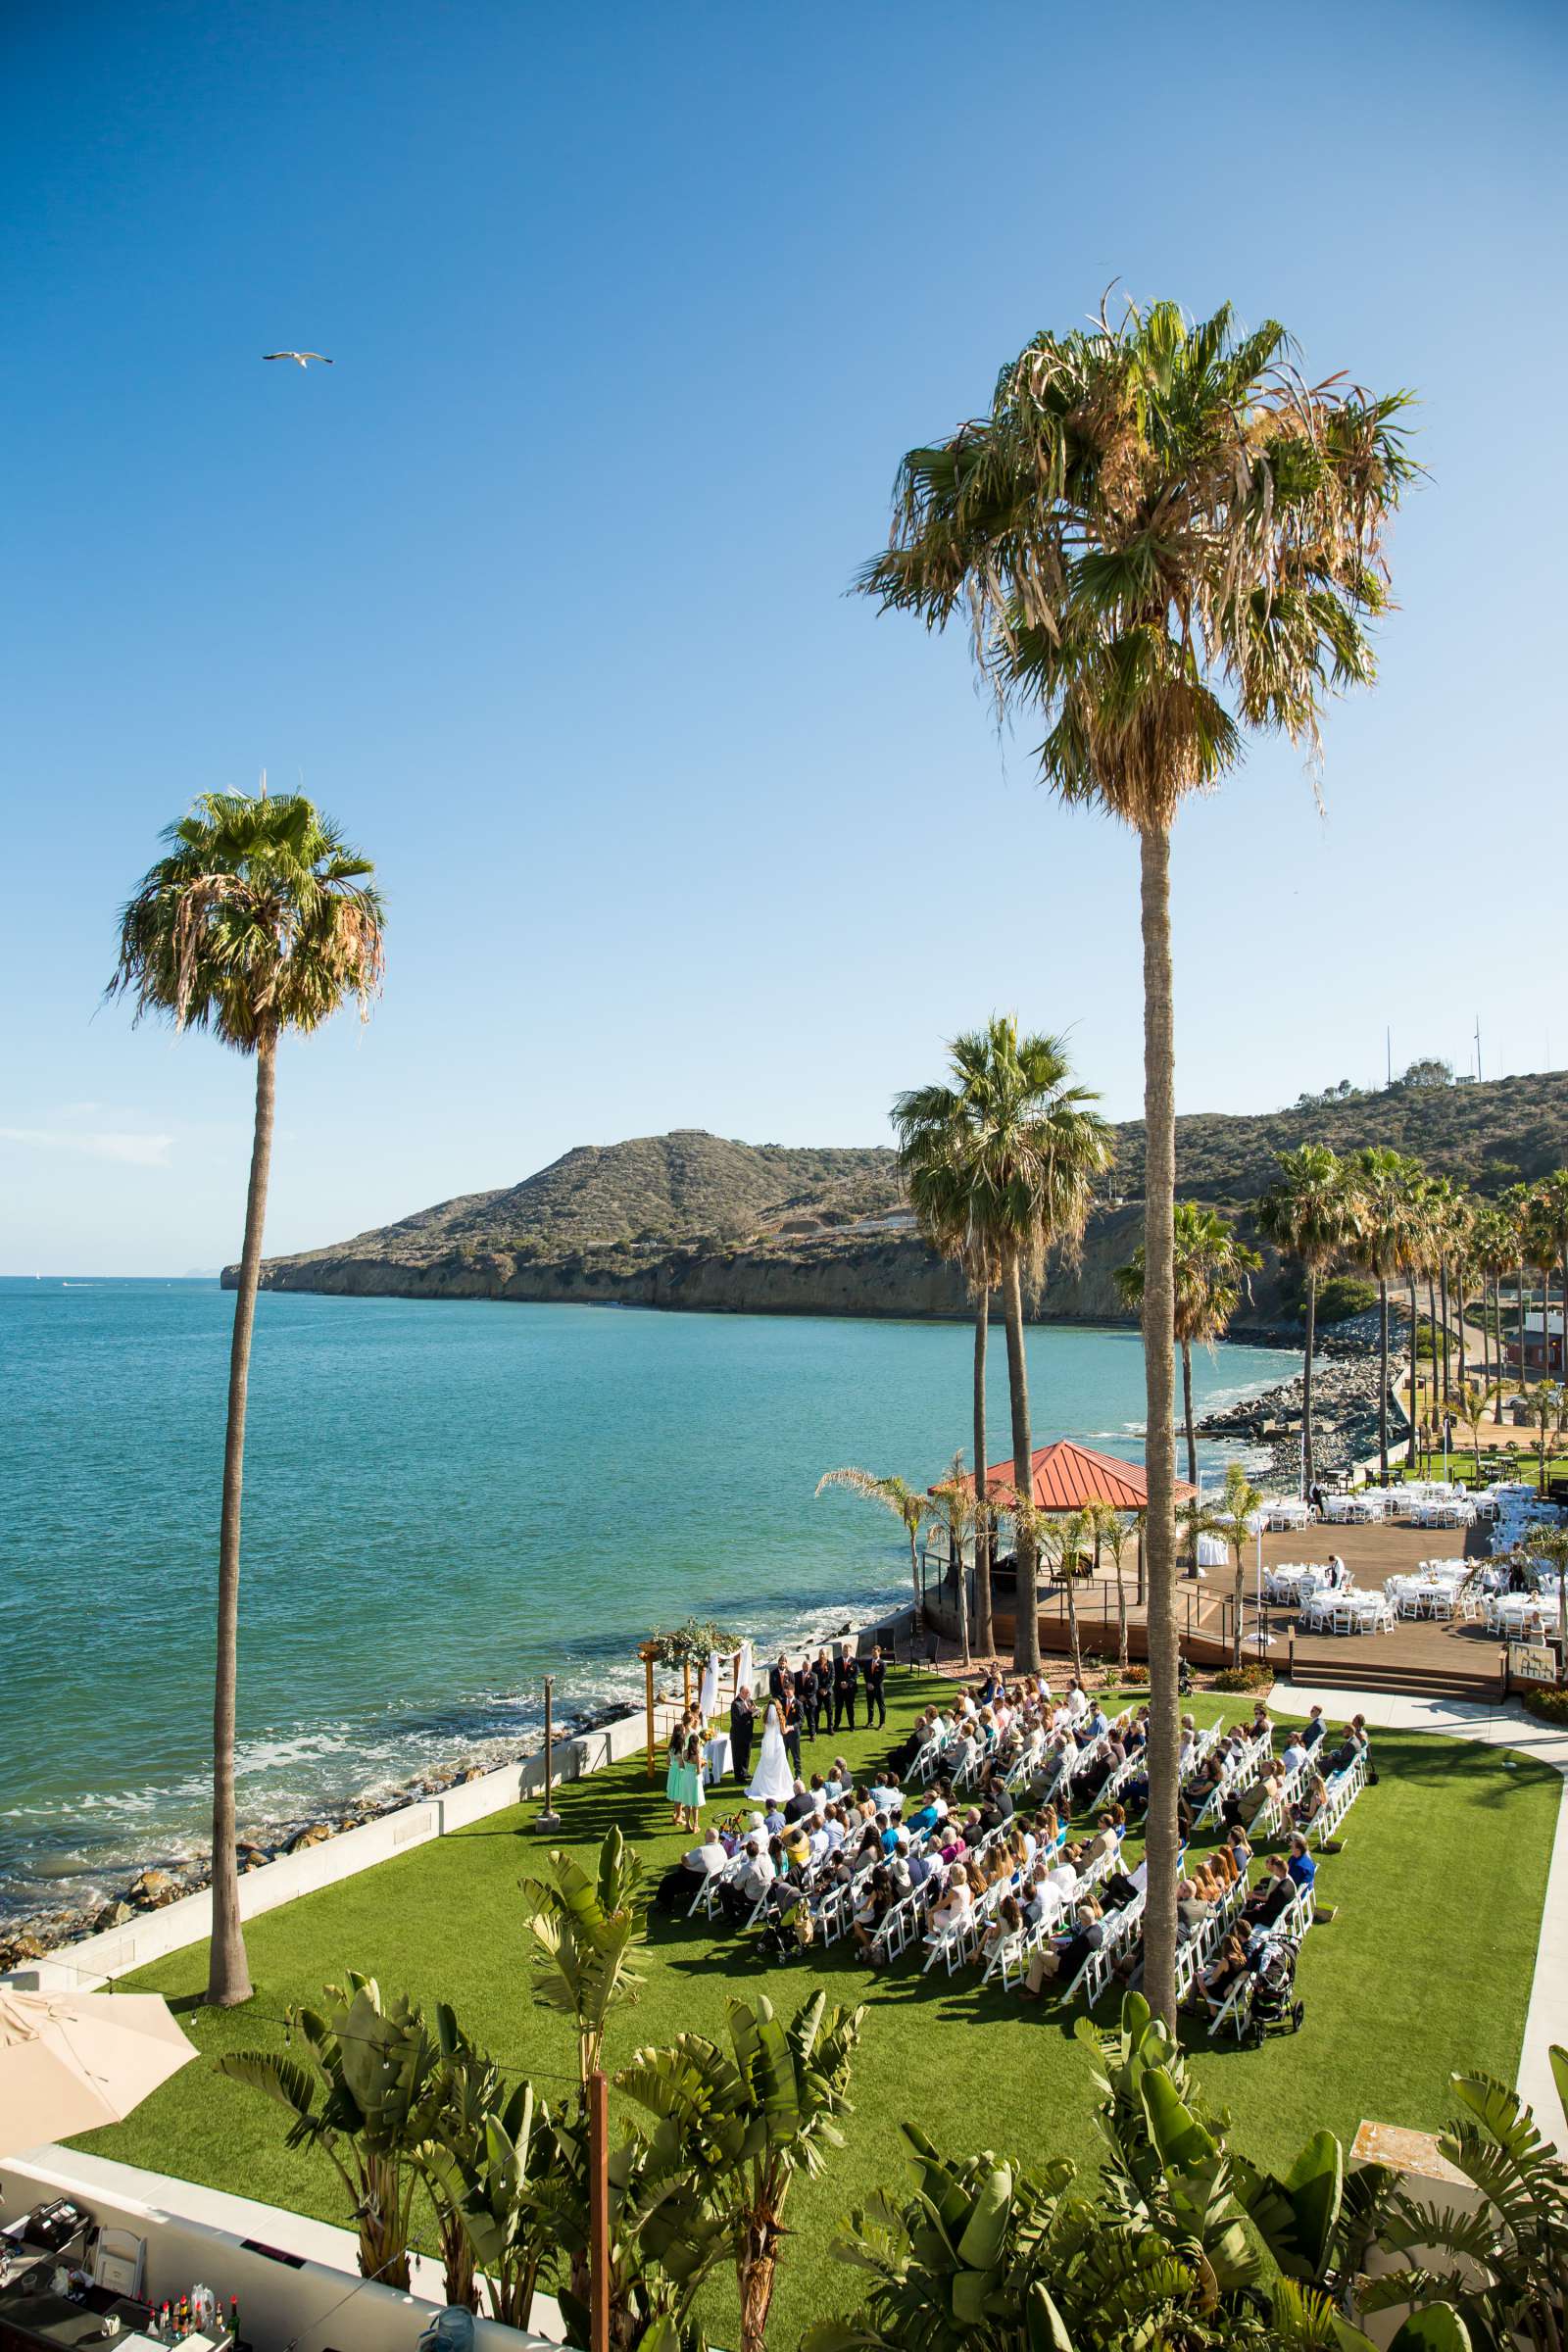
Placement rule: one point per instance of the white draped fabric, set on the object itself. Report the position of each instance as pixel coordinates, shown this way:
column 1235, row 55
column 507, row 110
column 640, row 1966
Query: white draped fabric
column 708, row 1696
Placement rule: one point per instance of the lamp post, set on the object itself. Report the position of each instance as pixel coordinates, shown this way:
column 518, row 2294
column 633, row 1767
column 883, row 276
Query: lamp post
column 547, row 1818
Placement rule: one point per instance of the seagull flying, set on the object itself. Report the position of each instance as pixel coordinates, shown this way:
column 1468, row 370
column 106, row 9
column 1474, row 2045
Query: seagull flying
column 299, row 357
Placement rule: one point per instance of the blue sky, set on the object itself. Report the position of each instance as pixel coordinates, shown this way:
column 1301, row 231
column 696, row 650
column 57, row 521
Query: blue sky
column 540, row 588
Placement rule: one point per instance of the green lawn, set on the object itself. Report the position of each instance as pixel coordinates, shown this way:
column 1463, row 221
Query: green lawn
column 1427, row 1967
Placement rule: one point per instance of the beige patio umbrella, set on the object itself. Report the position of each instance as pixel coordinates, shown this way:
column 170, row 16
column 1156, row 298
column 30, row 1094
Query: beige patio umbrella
column 70, row 2061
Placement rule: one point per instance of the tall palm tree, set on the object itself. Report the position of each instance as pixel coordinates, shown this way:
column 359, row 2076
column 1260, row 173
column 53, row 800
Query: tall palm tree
column 1493, row 1258
column 1021, row 1150
column 1546, row 1246
column 1309, row 1213
column 260, row 919
column 907, row 1504
column 1385, row 1184
column 1213, row 1276
column 934, row 1127
column 1161, row 538
column 1515, row 1207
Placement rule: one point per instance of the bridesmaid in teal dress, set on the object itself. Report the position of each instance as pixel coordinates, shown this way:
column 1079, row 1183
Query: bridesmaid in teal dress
column 691, row 1780
column 677, row 1766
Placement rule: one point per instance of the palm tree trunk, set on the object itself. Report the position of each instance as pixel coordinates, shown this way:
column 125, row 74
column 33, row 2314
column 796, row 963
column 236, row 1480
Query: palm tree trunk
column 228, row 1979
column 1187, row 1413
column 1241, row 1598
column 1159, row 1443
column 1121, row 1622
column 1459, row 1285
column 1307, row 1382
column 1410, row 1450
column 1523, row 1368
column 1432, row 1326
column 1026, row 1602
column 982, row 1522
column 1443, row 1299
column 1382, row 1377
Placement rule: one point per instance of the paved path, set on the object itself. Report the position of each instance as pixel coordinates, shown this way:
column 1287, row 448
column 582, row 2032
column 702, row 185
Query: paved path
column 1499, row 1726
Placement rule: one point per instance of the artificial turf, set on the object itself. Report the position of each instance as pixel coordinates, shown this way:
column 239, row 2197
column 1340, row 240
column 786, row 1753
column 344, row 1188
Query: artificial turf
column 1425, row 1968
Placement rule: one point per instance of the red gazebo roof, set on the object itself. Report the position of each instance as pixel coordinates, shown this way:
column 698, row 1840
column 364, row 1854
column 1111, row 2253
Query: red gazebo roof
column 1066, row 1476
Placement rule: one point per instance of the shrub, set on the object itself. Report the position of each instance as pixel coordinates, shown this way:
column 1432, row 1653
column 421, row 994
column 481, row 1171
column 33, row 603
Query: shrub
column 1134, row 1678
column 1243, row 1677
column 1548, row 1706
column 1338, row 1298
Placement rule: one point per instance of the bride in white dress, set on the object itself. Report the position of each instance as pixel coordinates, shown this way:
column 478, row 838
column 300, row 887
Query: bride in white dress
column 772, row 1777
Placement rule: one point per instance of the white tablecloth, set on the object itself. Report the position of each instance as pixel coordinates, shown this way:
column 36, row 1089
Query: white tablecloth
column 715, row 1759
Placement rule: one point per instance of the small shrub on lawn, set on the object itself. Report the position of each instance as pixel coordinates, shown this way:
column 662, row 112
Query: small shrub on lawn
column 1548, row 1706
column 1134, row 1678
column 1243, row 1678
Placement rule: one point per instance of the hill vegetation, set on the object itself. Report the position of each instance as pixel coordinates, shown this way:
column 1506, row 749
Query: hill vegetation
column 691, row 1219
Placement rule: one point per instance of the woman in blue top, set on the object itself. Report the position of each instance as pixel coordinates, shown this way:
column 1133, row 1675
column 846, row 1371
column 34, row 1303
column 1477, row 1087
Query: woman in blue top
column 1301, row 1865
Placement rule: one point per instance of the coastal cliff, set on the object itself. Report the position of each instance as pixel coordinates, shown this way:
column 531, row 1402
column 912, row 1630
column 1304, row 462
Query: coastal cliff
column 695, row 1221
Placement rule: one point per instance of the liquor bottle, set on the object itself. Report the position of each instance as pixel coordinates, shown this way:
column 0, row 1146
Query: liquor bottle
column 233, row 2319
column 166, row 2326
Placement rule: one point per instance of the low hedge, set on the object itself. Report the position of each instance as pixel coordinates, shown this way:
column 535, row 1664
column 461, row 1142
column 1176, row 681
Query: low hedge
column 1548, row 1706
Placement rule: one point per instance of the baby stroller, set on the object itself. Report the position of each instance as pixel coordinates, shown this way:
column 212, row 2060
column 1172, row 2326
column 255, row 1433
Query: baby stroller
column 1274, row 2008
column 788, row 1932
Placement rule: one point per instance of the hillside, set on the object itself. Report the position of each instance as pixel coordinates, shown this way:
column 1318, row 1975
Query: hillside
column 692, row 1220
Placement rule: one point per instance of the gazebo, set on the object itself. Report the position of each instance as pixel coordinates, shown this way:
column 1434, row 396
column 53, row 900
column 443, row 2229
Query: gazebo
column 1064, row 1476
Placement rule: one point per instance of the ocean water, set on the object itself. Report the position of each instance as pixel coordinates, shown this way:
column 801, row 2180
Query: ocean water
column 444, row 1501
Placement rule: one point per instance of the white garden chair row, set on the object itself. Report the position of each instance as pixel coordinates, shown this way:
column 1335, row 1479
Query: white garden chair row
column 1122, row 1930
column 1342, row 1791
column 1240, row 1771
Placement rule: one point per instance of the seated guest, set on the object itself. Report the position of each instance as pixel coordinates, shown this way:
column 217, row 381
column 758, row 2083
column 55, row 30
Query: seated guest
column 1246, row 1807
column 678, row 1889
column 953, row 1904
column 1239, row 1849
column 1311, row 1801
column 1007, row 1921
column 923, row 1818
column 885, row 1796
column 1353, row 1745
column 1193, row 1911
column 876, row 1901
column 922, row 1867
column 1103, row 1842
column 898, row 1869
column 1302, row 1866
column 1295, row 1754
column 759, row 1874
column 1272, row 1897
column 1312, row 1730
column 1218, row 1980
column 1064, row 1955
column 799, row 1804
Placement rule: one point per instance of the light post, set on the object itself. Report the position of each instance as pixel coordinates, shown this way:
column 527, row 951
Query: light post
column 547, row 1818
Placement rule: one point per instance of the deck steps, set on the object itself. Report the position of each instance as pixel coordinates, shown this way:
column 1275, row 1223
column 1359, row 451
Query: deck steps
column 1348, row 1667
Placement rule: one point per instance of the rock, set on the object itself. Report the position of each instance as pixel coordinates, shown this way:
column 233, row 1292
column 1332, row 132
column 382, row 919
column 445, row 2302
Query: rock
column 112, row 1915
column 152, row 1889
column 19, row 1951
column 469, row 1772
column 251, row 1857
column 316, row 1834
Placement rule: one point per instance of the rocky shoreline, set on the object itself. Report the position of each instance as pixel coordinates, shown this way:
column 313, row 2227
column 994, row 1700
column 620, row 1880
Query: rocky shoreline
column 43, row 1933
column 1345, row 1412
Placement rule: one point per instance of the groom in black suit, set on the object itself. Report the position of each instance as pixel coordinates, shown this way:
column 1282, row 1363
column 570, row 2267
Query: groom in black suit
column 742, row 1724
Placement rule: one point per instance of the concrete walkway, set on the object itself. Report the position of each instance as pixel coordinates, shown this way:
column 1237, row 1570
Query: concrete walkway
column 1497, row 1726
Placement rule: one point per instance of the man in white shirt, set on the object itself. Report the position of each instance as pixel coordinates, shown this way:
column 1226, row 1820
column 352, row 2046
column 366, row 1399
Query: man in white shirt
column 833, row 1831
column 708, row 1857
column 1078, row 1702
column 1064, row 1878
column 759, row 1874
column 1293, row 1758
column 885, row 1800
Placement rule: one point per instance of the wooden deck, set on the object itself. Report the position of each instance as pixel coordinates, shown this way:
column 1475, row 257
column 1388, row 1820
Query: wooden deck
column 1459, row 1660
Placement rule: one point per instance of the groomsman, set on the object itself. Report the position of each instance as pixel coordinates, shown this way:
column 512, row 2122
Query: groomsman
column 811, row 1696
column 781, row 1681
column 845, row 1677
column 877, row 1674
column 742, row 1725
